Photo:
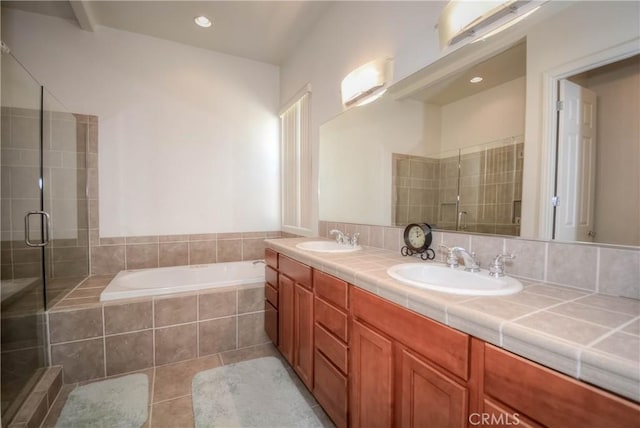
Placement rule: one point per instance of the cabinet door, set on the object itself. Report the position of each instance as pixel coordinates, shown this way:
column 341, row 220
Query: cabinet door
column 303, row 328
column 429, row 398
column 271, row 322
column 371, row 375
column 285, row 317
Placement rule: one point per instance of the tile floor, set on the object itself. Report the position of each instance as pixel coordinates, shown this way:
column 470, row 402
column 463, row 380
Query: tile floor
column 170, row 388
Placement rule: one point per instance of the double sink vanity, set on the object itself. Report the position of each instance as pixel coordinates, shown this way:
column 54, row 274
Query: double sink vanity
column 382, row 342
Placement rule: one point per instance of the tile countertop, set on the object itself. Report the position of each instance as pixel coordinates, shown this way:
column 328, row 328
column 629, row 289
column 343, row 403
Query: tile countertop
column 589, row 336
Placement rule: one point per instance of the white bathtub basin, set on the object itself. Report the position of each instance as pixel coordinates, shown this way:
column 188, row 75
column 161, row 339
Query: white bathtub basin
column 327, row 247
column 454, row 281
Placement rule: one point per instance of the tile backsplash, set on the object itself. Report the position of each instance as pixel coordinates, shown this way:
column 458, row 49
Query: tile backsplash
column 594, row 268
column 111, row 255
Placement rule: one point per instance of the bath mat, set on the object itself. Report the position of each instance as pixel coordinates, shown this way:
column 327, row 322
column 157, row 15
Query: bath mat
column 122, row 402
column 254, row 393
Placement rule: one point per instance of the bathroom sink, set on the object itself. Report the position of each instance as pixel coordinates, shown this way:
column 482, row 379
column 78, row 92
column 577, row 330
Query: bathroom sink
column 327, row 247
column 454, row 281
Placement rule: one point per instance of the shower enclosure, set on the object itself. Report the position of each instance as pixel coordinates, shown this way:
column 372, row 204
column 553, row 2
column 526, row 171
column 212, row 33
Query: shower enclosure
column 44, row 249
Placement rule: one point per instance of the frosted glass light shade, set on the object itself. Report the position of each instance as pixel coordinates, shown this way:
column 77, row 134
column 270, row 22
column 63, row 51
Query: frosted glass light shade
column 365, row 83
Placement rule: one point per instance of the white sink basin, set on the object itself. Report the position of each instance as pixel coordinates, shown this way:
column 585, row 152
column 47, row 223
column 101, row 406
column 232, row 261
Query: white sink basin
column 455, row 281
column 327, row 247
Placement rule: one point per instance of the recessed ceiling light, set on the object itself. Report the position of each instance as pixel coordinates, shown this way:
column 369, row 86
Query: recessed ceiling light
column 202, row 21
column 476, row 79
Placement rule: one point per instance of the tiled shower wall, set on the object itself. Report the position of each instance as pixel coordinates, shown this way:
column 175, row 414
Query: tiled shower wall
column 489, row 183
column 68, row 141
column 603, row 269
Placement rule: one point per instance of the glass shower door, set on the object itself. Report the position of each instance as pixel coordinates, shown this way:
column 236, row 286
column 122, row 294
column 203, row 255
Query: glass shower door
column 24, row 231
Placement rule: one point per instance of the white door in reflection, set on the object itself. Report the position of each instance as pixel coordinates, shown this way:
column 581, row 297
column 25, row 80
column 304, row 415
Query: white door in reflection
column 576, row 165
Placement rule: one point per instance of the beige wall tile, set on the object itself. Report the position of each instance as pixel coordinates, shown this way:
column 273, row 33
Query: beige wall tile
column 620, row 272
column 229, row 250
column 121, row 318
column 175, row 310
column 573, row 265
column 233, row 235
column 150, row 239
column 203, row 237
column 252, row 249
column 202, row 252
column 142, row 256
column 129, row 352
column 250, row 299
column 529, row 261
column 219, row 303
column 114, row 240
column 75, row 324
column 173, row 238
column 174, row 254
column 175, row 344
column 82, row 360
column 107, row 260
column 251, row 330
column 98, row 281
column 253, row 235
column 244, row 354
column 217, row 335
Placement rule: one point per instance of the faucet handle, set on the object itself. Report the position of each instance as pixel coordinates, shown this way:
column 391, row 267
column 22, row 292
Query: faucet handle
column 353, row 241
column 452, row 260
column 496, row 268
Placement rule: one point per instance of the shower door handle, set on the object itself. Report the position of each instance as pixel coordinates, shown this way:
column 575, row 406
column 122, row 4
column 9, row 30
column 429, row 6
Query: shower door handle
column 47, row 226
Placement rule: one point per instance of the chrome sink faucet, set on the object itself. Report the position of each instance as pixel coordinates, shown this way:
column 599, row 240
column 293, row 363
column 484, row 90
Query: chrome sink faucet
column 496, row 269
column 344, row 238
column 468, row 259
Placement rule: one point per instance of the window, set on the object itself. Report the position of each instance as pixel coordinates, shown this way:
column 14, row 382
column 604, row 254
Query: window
column 296, row 165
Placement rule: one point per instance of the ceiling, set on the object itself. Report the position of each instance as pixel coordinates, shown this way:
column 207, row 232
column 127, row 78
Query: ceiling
column 503, row 67
column 264, row 31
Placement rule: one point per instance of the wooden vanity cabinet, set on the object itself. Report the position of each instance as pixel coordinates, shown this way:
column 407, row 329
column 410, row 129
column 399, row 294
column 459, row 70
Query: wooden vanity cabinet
column 406, row 370
column 543, row 397
column 295, row 316
column 271, row 295
column 331, row 308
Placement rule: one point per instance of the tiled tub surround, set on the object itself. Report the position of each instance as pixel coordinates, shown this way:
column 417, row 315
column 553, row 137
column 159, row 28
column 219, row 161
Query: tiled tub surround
column 94, row 340
column 587, row 335
column 111, row 255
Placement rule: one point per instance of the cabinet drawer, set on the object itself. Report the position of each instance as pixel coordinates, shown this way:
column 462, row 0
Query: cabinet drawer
column 551, row 398
column 271, row 258
column 331, row 390
column 271, row 276
column 440, row 344
column 271, row 294
column 331, row 319
column 331, row 289
column 332, row 348
column 295, row 270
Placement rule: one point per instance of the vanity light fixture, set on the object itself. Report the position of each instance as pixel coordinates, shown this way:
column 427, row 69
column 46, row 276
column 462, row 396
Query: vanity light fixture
column 366, row 83
column 462, row 19
column 476, row 79
column 202, row 21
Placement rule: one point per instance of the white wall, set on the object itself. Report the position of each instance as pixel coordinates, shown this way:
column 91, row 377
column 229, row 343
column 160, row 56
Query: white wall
column 485, row 117
column 618, row 155
column 188, row 137
column 349, row 35
column 356, row 176
column 582, row 30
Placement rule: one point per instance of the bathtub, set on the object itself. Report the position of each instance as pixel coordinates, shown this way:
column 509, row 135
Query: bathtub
column 178, row 279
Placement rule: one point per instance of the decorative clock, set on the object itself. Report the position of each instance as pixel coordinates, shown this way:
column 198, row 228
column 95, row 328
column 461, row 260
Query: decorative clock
column 417, row 239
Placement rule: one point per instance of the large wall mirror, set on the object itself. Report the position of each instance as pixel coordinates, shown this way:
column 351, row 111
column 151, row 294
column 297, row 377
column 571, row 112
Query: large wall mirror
column 489, row 156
